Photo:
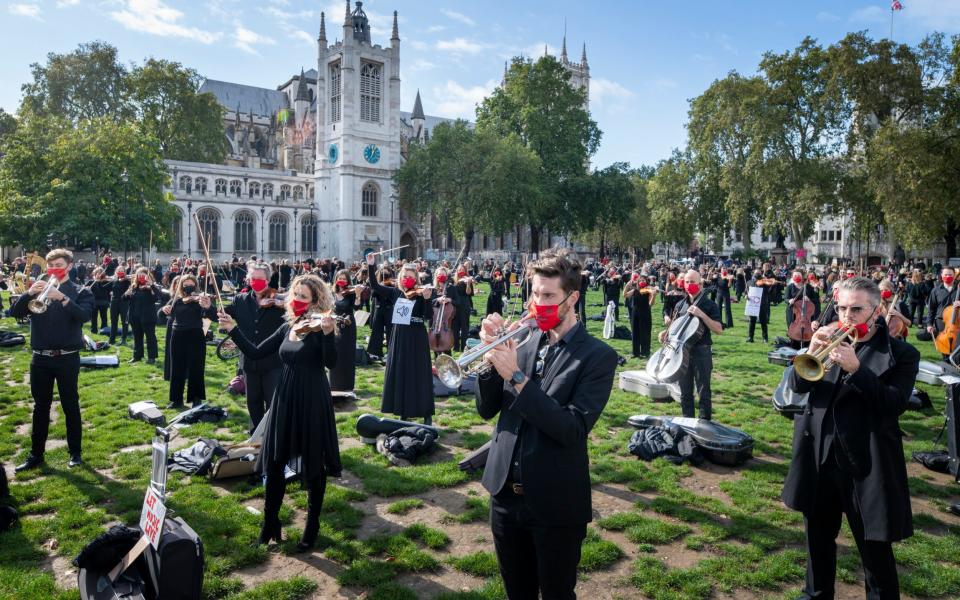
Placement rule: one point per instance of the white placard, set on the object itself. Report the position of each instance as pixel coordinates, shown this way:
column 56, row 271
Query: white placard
column 152, row 516
column 752, row 307
column 950, row 379
column 402, row 311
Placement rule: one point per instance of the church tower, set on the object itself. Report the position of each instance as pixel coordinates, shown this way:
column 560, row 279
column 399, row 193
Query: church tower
column 358, row 137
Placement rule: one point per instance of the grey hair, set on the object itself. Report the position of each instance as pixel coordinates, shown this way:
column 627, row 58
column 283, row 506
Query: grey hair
column 259, row 266
column 861, row 284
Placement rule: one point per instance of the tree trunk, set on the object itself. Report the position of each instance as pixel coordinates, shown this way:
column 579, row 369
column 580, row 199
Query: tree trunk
column 950, row 237
column 534, row 239
column 603, row 239
column 467, row 242
column 746, row 236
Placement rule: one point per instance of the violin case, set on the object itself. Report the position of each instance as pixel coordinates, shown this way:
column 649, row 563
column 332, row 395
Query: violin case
column 787, row 402
column 930, row 372
column 100, row 362
column 639, row 382
column 782, row 356
column 370, row 426
column 720, row 444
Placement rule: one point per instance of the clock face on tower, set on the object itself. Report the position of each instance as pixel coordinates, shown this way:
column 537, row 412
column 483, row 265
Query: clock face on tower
column 333, row 153
column 372, row 154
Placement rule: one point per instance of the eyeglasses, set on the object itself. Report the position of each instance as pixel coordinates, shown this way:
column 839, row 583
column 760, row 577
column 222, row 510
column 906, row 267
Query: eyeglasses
column 541, row 360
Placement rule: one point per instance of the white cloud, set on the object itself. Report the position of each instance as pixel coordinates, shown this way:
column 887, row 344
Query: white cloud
column 284, row 15
column 941, row 15
column 422, row 65
column 304, row 37
column 417, row 45
column 603, row 90
column 459, row 46
column 25, row 10
column 460, row 101
column 436, row 28
column 870, row 14
column 536, row 50
column 156, row 18
column 462, row 18
column 65, row 3
column 246, row 40
column 827, row 17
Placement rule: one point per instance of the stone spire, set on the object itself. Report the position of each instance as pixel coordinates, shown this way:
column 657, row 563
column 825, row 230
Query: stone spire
column 583, row 57
column 303, row 90
column 323, row 30
column 396, row 31
column 347, row 21
column 418, row 108
column 563, row 51
column 545, row 51
column 504, row 81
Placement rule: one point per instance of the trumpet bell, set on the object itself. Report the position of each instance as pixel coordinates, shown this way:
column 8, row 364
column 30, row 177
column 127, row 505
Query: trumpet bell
column 37, row 307
column 808, row 367
column 448, row 371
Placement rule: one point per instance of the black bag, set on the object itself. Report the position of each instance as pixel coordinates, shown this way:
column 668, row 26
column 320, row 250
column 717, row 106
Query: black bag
column 360, row 357
column 370, row 426
column 197, row 459
column 936, row 460
column 720, row 444
column 177, row 564
column 787, row 402
column 404, row 446
column 9, row 339
column 952, row 428
column 919, row 400
column 620, row 332
column 670, row 443
column 477, row 459
column 923, row 335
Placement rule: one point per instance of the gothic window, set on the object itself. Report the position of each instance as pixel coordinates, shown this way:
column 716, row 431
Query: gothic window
column 201, row 185
column 838, row 235
column 308, row 233
column 268, row 190
column 210, row 226
column 254, row 189
column 336, row 85
column 370, row 87
column 235, row 187
column 186, row 184
column 370, row 196
column 278, row 232
column 220, row 187
column 298, row 193
column 244, row 239
column 176, row 234
column 284, row 192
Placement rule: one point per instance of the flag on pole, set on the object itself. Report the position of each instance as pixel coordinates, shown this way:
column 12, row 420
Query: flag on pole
column 896, row 5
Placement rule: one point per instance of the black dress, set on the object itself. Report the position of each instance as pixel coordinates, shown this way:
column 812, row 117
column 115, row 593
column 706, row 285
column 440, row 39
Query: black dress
column 408, row 382
column 641, row 323
column 301, row 427
column 498, row 289
column 343, row 375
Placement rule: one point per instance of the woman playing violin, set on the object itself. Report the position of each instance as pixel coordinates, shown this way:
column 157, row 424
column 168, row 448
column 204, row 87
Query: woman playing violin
column 346, row 299
column 188, row 350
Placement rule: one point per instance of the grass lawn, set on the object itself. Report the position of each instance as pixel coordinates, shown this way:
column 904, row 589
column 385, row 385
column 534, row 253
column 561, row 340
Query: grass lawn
column 660, row 531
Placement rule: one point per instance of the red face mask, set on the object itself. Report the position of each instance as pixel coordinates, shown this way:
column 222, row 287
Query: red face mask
column 947, row 279
column 408, row 283
column 811, row 277
column 547, row 315
column 341, row 283
column 693, row 289
column 258, row 285
column 861, row 328
column 441, row 278
column 142, row 279
column 175, row 270
column 497, row 274
column 121, row 274
column 797, row 279
column 849, row 275
column 886, row 294
column 642, row 284
column 461, row 273
column 56, row 273
column 635, row 277
column 681, row 284
column 202, row 273
column 299, row 306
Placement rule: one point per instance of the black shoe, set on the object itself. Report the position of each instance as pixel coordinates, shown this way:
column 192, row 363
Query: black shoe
column 176, row 405
column 32, row 462
column 133, row 360
column 954, row 508
column 268, row 532
column 749, row 340
column 151, row 361
column 309, row 537
column 766, row 341
column 75, row 461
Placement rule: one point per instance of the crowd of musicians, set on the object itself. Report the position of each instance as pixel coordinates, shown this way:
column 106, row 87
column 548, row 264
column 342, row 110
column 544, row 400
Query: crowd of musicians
column 296, row 327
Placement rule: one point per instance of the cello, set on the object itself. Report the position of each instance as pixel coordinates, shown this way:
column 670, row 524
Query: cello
column 895, row 324
column 440, row 338
column 801, row 327
column 946, row 339
column 671, row 360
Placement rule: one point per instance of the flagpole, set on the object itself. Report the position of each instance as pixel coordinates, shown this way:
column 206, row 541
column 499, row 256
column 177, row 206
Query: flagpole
column 891, row 22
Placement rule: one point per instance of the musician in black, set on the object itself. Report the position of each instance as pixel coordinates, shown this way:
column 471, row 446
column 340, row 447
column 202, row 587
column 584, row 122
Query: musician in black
column 797, row 290
column 498, row 289
column 642, row 297
column 188, row 350
column 611, row 284
column 943, row 295
column 847, row 448
column 696, row 304
column 766, row 282
column 119, row 305
column 382, row 314
column 549, row 394
column 724, row 285
column 258, row 313
column 56, row 337
column 100, row 288
column 143, row 297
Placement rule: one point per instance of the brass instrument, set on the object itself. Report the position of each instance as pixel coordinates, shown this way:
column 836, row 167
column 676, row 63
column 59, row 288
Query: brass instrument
column 812, row 366
column 451, row 372
column 41, row 303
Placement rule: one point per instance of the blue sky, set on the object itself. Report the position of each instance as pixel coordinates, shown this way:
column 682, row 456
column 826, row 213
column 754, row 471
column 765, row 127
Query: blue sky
column 647, row 59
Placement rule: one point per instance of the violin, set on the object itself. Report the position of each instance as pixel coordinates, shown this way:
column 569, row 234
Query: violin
column 767, row 281
column 312, row 323
column 416, row 292
column 896, row 325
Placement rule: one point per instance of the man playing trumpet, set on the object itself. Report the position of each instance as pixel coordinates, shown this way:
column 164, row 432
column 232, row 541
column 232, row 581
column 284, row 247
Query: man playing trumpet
column 847, row 451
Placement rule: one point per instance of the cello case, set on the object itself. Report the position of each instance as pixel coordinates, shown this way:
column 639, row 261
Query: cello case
column 370, row 426
column 720, row 444
column 787, row 402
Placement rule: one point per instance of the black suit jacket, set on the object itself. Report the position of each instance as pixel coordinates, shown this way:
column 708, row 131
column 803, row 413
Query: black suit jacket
column 257, row 324
column 867, row 433
column 552, row 418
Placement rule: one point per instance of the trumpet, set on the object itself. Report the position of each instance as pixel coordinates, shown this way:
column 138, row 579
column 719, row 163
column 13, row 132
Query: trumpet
column 813, row 366
column 451, row 372
column 40, row 304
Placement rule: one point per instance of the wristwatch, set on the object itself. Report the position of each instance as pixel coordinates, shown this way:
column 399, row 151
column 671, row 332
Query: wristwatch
column 517, row 378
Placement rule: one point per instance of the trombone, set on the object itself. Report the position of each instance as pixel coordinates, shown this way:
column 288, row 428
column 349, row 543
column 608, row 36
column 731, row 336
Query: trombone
column 451, row 372
column 812, row 366
column 41, row 303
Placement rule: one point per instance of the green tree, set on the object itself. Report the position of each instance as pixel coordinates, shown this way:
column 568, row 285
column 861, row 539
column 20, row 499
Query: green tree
column 671, row 202
column 68, row 181
column 538, row 104
column 8, row 124
column 600, row 201
column 188, row 125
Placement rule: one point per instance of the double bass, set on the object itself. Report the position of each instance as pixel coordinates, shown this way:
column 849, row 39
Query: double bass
column 440, row 337
column 801, row 327
column 671, row 360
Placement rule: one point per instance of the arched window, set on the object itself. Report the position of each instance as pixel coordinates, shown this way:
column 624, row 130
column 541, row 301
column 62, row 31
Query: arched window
column 201, row 185
column 370, row 196
column 186, row 184
column 284, row 192
column 335, row 88
column 220, row 187
column 308, row 233
column 210, row 227
column 235, row 187
column 254, row 189
column 268, row 190
column 370, row 92
column 176, row 233
column 278, row 232
column 298, row 193
column 244, row 228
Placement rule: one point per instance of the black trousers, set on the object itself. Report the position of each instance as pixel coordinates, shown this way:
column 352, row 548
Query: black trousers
column 697, row 374
column 140, row 331
column 533, row 557
column 753, row 326
column 100, row 311
column 834, row 497
column 260, row 388
column 461, row 327
column 582, row 306
column 726, row 308
column 640, row 329
column 378, row 331
column 188, row 357
column 44, row 371
column 276, row 487
column 916, row 312
column 118, row 310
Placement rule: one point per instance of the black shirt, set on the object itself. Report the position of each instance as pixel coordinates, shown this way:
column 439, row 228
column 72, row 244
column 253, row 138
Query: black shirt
column 60, row 327
column 708, row 306
column 190, row 315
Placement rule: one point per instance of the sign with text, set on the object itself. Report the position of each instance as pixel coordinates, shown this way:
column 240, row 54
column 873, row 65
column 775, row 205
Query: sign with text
column 752, row 307
column 152, row 516
column 402, row 311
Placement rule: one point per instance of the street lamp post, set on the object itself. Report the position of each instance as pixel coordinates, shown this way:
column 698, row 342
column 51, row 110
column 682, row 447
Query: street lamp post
column 263, row 212
column 189, row 228
column 124, row 177
column 393, row 200
column 296, row 224
column 313, row 229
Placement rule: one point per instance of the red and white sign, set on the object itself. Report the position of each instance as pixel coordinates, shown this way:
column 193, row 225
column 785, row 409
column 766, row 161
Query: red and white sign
column 801, row 252
column 152, row 516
